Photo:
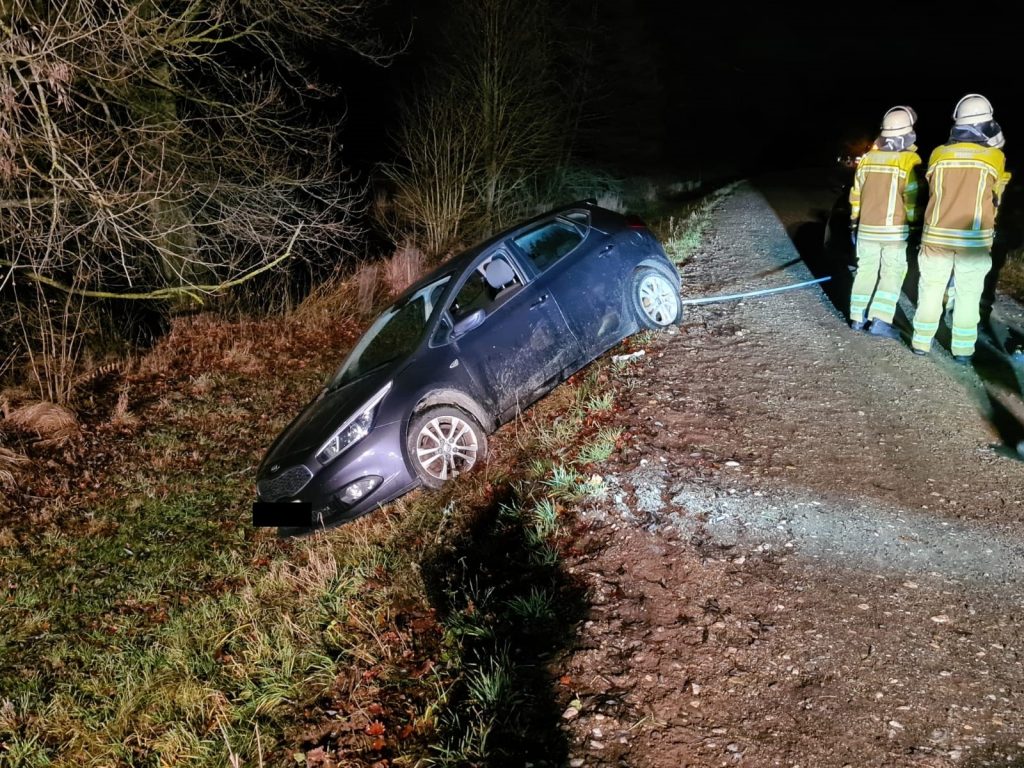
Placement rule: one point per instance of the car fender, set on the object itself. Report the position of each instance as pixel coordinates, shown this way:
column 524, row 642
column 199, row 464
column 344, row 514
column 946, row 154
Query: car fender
column 662, row 266
column 460, row 399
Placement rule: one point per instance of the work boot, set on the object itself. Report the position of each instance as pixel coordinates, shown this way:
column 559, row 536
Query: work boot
column 857, row 325
column 962, row 359
column 883, row 329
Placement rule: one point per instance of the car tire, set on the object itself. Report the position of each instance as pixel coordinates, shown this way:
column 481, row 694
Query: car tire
column 655, row 299
column 444, row 442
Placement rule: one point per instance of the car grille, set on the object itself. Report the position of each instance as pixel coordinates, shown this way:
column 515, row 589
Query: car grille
column 288, row 483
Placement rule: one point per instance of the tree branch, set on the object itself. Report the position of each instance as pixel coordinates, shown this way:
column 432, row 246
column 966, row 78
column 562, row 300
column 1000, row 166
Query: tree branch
column 191, row 291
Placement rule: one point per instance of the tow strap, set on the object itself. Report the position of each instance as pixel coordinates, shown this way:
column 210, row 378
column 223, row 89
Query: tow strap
column 749, row 294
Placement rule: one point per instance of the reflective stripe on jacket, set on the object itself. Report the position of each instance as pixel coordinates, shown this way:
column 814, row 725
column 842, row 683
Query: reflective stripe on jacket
column 966, row 182
column 884, row 194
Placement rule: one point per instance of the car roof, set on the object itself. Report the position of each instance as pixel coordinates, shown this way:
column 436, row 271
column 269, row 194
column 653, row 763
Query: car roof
column 459, row 262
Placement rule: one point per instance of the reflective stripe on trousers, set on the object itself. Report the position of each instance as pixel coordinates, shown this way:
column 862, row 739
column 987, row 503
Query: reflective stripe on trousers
column 881, row 267
column 969, row 267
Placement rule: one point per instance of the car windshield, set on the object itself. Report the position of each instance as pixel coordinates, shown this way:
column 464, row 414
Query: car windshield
column 393, row 335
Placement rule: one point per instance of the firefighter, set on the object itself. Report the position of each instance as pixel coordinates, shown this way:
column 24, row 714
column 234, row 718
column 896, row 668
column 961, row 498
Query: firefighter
column 882, row 208
column 967, row 177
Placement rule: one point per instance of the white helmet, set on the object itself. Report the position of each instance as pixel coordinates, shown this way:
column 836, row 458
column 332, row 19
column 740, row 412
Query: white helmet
column 913, row 114
column 972, row 109
column 898, row 121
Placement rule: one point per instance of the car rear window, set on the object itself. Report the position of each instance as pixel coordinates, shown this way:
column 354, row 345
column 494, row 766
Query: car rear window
column 548, row 243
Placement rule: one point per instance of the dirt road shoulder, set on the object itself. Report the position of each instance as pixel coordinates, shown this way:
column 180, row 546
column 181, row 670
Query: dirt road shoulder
column 809, row 553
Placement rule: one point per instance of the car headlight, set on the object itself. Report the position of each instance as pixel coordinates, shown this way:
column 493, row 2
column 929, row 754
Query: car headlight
column 353, row 430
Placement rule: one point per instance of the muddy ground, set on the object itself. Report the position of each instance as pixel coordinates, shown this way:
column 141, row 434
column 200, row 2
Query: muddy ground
column 810, row 549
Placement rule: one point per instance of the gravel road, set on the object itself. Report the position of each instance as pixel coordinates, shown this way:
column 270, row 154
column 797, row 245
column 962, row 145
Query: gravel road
column 810, row 550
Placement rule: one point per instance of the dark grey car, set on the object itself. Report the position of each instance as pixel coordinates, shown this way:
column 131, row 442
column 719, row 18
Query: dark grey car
column 462, row 351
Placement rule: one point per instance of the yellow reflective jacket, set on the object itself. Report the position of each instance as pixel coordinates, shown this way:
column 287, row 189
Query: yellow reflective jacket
column 884, row 195
column 967, row 182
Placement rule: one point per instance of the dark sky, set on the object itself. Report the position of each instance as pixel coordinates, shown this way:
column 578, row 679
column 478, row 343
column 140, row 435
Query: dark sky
column 797, row 83
column 777, row 87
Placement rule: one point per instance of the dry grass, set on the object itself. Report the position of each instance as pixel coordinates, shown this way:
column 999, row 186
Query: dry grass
column 345, row 298
column 324, row 302
column 50, row 422
column 367, row 287
column 95, row 376
column 250, row 347
column 612, row 201
column 405, row 266
column 121, row 414
column 7, row 363
column 1011, row 277
column 10, row 461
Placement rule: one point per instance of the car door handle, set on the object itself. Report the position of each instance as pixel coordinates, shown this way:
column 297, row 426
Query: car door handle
column 539, row 300
column 605, row 251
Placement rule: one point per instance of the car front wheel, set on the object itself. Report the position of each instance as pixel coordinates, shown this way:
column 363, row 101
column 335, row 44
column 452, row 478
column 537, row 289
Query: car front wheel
column 655, row 299
column 445, row 442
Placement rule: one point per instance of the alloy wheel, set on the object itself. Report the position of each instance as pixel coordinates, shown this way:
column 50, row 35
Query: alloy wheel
column 446, row 446
column 658, row 299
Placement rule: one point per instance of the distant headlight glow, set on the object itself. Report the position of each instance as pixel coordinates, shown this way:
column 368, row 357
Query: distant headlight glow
column 353, row 430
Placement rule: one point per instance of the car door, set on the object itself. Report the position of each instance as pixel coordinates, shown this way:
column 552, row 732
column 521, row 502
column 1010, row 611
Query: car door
column 582, row 268
column 512, row 339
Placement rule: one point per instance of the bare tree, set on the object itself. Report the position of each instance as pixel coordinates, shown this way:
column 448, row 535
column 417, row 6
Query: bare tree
column 161, row 148
column 441, row 156
column 490, row 124
column 506, row 71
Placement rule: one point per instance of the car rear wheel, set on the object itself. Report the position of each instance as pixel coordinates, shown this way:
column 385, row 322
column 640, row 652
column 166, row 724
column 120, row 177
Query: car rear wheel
column 445, row 442
column 655, row 299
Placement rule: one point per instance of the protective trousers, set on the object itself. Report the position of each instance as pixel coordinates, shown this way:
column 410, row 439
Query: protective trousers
column 969, row 267
column 883, row 263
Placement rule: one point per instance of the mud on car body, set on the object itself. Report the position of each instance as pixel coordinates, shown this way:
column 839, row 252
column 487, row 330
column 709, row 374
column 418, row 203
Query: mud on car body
column 462, row 351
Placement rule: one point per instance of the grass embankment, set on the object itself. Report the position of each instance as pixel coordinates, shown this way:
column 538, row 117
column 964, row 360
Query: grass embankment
column 682, row 233
column 143, row 621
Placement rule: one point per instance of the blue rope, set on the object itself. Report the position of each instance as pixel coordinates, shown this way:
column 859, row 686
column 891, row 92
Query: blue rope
column 765, row 291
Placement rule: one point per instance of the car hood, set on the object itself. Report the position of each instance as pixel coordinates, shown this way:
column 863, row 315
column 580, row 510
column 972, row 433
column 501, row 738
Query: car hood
column 322, row 417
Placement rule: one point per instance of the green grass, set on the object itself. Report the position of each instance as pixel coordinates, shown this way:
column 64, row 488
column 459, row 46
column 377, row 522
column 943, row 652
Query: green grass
column 490, row 686
column 563, row 483
column 601, row 447
column 148, row 623
column 601, row 402
column 495, row 710
column 545, row 517
column 685, row 235
column 538, row 606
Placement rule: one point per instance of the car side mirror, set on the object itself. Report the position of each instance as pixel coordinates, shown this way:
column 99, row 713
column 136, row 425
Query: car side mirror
column 466, row 324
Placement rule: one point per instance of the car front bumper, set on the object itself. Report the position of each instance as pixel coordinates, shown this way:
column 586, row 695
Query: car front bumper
column 378, row 455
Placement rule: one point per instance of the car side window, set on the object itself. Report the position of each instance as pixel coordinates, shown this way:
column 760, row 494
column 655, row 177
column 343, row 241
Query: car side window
column 549, row 242
column 487, row 286
column 471, row 297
